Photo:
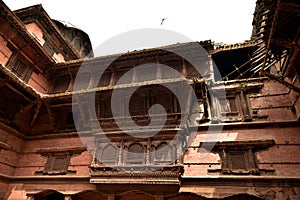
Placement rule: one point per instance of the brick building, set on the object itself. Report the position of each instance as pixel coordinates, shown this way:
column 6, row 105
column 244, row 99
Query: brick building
column 245, row 120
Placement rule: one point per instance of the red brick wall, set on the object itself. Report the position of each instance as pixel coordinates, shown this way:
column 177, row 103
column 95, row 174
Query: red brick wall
column 275, row 101
column 30, row 161
column 5, row 52
column 9, row 157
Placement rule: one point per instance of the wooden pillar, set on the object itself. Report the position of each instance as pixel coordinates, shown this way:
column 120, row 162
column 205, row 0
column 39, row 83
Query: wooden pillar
column 30, row 197
column 68, row 197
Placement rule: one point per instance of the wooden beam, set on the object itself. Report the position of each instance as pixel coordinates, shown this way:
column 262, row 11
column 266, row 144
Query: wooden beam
column 289, row 7
column 292, row 62
column 288, row 85
column 284, row 43
column 274, row 22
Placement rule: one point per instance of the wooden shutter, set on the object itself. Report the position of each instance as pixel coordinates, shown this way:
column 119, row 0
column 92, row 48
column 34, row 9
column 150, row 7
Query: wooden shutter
column 237, row 160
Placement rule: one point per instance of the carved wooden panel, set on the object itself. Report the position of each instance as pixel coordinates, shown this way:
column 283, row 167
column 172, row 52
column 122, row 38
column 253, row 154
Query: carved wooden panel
column 57, row 164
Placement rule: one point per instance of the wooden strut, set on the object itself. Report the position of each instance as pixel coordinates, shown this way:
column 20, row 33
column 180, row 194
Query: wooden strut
column 271, row 35
column 288, row 85
column 36, row 113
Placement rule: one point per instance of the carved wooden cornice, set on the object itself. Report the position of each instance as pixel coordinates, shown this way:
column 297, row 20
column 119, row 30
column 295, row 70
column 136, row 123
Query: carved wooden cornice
column 58, row 150
column 151, row 53
column 137, row 174
column 255, row 145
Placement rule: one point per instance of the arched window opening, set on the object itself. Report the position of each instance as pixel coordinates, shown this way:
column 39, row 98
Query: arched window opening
column 136, row 154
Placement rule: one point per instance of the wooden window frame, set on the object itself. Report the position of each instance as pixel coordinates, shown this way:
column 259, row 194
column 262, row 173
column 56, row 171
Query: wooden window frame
column 160, row 161
column 236, row 108
column 17, row 58
column 249, row 149
column 99, row 155
column 50, row 164
column 250, row 161
column 49, row 47
column 140, row 161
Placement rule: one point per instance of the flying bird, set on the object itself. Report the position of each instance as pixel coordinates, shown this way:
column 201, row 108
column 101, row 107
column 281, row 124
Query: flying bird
column 162, row 21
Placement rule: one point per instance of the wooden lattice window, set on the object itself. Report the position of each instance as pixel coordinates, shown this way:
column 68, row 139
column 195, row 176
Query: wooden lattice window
column 21, row 69
column 138, row 104
column 163, row 154
column 108, row 155
column 239, row 157
column 57, row 164
column 104, row 106
column 234, row 107
column 163, row 97
column 135, row 154
column 82, row 81
column 49, row 48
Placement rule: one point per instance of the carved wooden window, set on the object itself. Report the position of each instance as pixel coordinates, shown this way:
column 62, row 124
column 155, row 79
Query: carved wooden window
column 82, row 81
column 104, row 107
column 163, row 154
column 138, row 104
column 239, row 162
column 108, row 155
column 239, row 157
column 162, row 97
column 136, row 154
column 49, row 47
column 18, row 64
column 104, row 80
column 230, row 108
column 21, row 69
column 57, row 164
column 234, row 107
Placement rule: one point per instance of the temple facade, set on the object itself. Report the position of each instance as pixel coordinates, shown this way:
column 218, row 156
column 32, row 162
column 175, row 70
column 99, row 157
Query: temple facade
column 74, row 126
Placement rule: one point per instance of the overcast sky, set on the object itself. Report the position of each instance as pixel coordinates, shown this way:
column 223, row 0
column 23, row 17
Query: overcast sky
column 227, row 21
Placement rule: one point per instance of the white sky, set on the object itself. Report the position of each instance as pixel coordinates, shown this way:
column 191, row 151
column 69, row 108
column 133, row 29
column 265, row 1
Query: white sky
column 227, row 21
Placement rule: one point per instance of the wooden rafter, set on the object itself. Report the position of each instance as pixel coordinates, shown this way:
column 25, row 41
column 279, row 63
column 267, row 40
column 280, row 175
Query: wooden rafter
column 274, row 21
column 289, row 7
column 288, row 85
